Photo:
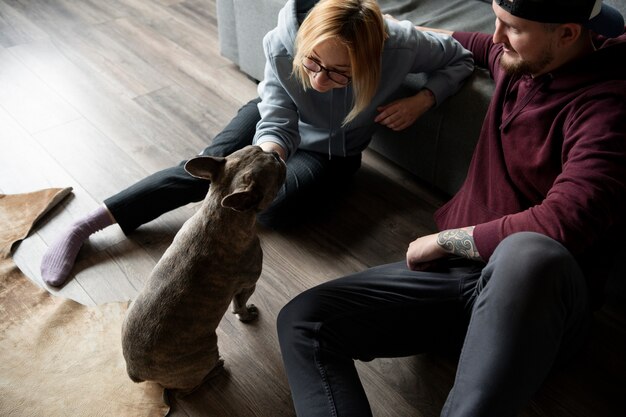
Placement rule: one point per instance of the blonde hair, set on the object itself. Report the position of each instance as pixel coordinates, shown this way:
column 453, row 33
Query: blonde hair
column 357, row 24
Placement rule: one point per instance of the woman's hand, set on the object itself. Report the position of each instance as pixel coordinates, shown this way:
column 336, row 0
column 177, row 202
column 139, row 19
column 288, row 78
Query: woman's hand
column 274, row 147
column 402, row 113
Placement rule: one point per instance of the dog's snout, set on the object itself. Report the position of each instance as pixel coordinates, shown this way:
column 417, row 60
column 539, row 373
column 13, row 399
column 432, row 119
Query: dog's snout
column 276, row 155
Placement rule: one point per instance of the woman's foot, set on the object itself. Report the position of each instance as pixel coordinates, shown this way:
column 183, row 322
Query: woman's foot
column 58, row 261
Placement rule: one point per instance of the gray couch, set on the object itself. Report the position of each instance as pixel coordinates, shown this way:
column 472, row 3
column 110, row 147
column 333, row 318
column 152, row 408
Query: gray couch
column 438, row 147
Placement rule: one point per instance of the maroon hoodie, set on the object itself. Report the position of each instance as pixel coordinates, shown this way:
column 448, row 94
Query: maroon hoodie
column 551, row 157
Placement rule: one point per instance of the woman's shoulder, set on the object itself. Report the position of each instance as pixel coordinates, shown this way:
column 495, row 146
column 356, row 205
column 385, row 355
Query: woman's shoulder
column 274, row 44
column 401, row 34
column 281, row 39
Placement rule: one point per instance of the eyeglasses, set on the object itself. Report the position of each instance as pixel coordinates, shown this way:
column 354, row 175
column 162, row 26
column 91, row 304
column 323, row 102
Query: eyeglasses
column 315, row 67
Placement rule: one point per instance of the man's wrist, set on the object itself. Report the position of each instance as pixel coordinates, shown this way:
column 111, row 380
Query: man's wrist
column 459, row 242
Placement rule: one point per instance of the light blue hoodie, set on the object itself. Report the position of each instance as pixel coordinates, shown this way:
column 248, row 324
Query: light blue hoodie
column 309, row 120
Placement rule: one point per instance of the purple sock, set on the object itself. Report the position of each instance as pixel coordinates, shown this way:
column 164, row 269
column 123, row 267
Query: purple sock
column 59, row 259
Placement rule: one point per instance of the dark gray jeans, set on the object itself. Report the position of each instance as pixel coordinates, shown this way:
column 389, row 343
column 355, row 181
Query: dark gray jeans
column 513, row 319
column 312, row 179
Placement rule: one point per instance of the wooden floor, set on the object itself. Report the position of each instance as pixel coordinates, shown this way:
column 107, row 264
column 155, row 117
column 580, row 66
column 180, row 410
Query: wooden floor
column 95, row 95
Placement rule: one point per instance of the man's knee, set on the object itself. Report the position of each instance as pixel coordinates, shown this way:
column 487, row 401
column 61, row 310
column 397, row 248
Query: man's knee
column 533, row 264
column 286, row 318
column 297, row 317
column 534, row 252
column 532, row 246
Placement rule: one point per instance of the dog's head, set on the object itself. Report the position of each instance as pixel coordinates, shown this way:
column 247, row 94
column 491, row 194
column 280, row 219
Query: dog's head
column 248, row 178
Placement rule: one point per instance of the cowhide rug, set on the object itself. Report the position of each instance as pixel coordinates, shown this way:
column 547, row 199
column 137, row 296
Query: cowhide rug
column 59, row 357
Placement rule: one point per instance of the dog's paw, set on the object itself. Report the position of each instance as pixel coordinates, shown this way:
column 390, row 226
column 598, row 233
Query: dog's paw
column 250, row 313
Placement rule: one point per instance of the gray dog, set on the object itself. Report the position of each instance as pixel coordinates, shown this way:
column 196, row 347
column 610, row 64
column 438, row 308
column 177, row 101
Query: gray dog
column 168, row 335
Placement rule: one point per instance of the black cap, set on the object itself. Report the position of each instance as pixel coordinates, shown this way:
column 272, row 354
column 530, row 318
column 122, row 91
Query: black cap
column 593, row 14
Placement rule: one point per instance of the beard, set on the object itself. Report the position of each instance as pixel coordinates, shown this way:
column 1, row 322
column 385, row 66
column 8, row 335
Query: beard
column 518, row 66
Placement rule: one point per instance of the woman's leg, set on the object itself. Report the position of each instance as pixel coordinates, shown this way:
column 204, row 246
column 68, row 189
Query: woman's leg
column 58, row 260
column 388, row 311
column 147, row 199
column 173, row 187
column 531, row 310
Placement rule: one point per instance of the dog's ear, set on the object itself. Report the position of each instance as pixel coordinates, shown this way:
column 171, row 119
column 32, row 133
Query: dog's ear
column 243, row 199
column 207, row 167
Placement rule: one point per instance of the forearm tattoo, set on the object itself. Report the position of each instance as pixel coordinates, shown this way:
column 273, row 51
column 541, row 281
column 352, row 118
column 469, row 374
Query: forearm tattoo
column 459, row 242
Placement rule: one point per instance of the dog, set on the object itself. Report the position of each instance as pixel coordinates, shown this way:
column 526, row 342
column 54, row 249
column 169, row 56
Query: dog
column 168, row 333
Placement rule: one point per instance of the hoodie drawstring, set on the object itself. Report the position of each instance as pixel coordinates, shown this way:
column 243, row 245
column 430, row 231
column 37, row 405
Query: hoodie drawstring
column 331, row 124
column 343, row 131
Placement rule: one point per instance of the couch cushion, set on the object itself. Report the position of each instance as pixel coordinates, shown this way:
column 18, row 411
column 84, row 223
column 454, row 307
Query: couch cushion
column 254, row 20
column 466, row 15
column 438, row 147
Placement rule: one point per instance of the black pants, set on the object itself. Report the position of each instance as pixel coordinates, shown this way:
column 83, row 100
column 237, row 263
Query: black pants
column 311, row 179
column 515, row 317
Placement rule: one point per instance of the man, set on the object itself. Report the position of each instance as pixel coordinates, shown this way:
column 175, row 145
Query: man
column 525, row 245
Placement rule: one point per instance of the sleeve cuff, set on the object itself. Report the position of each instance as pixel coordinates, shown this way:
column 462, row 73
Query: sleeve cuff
column 486, row 238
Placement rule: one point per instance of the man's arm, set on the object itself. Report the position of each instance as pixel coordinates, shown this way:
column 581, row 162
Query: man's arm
column 424, row 28
column 427, row 29
column 459, row 242
column 452, row 242
column 480, row 44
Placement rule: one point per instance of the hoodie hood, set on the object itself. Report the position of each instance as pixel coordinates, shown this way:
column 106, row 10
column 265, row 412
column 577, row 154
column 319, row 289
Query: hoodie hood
column 605, row 64
column 289, row 18
column 289, row 22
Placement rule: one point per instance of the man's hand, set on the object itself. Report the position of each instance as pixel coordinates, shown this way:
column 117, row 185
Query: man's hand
column 422, row 251
column 402, row 113
column 456, row 242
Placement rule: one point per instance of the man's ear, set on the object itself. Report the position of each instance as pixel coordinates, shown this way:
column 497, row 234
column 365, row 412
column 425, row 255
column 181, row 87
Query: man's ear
column 242, row 199
column 206, row 167
column 569, row 33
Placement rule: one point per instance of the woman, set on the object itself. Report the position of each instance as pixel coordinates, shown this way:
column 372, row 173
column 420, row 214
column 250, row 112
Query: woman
column 330, row 72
